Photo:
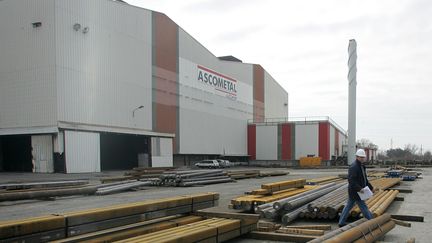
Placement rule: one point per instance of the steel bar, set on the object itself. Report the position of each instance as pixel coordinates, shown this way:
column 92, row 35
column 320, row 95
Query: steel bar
column 383, row 206
column 279, row 204
column 122, row 187
column 47, row 193
column 376, row 233
column 339, row 231
column 44, row 184
column 205, row 182
column 291, row 204
column 358, row 231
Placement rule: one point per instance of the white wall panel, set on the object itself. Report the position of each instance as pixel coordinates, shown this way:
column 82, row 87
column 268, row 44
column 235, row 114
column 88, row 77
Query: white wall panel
column 221, row 122
column 27, row 64
column 332, row 141
column 82, row 152
column 104, row 74
column 342, row 141
column 42, row 153
column 306, row 140
column 275, row 98
column 267, row 142
column 206, row 133
column 162, row 153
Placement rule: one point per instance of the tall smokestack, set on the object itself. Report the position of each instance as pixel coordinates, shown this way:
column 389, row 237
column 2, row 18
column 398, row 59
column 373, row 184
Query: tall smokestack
column 352, row 81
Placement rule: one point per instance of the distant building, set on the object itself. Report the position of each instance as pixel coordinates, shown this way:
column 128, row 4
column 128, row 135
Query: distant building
column 289, row 140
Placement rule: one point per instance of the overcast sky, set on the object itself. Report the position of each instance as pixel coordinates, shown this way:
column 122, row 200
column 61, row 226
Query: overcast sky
column 303, row 45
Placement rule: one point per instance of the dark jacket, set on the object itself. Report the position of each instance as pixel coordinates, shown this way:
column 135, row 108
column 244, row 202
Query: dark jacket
column 356, row 180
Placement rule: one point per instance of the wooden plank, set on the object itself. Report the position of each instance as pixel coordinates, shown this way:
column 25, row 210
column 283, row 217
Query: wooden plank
column 412, row 218
column 279, row 237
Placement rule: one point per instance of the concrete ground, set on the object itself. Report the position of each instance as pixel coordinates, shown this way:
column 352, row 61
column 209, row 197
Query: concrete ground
column 416, row 203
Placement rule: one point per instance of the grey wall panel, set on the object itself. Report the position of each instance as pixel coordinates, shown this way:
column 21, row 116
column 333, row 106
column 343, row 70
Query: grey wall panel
column 82, row 152
column 275, row 98
column 207, row 133
column 106, row 73
column 42, row 152
column 267, row 142
column 27, row 64
column 162, row 153
column 306, row 140
column 332, row 141
column 210, row 121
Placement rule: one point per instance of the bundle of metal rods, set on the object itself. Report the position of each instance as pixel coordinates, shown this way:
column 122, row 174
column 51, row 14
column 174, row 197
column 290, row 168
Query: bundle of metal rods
column 192, row 178
column 360, row 231
column 292, row 206
column 327, row 206
column 105, row 189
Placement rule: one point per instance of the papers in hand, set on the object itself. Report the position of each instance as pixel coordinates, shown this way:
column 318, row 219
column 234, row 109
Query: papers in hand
column 366, row 194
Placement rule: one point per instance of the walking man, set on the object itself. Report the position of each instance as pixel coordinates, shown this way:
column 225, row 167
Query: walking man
column 357, row 181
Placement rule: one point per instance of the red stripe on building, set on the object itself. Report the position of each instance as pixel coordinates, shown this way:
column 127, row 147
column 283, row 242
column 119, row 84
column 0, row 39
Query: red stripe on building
column 336, row 149
column 258, row 93
column 165, row 58
column 251, row 138
column 324, row 140
column 216, row 73
column 286, row 142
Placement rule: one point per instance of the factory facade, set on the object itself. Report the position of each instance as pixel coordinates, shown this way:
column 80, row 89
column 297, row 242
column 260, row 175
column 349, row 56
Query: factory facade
column 99, row 85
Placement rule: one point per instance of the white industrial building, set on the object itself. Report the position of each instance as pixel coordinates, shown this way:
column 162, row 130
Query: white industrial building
column 289, row 140
column 91, row 85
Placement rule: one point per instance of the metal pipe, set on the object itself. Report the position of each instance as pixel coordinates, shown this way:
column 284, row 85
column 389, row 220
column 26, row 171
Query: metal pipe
column 205, row 182
column 376, row 233
column 338, row 231
column 382, row 207
column 123, row 187
column 358, row 231
column 280, row 203
column 307, row 198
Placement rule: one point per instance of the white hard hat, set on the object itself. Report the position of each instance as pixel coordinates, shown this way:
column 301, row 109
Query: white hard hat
column 361, row 153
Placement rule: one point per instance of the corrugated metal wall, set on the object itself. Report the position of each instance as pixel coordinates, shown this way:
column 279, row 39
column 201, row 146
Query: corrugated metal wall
column 267, row 142
column 27, row 64
column 332, row 141
column 103, row 75
column 306, row 140
column 276, row 98
column 82, row 152
column 162, row 153
column 220, row 121
column 42, row 153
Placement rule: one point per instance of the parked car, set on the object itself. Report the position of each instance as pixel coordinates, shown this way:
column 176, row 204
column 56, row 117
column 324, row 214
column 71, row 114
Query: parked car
column 224, row 163
column 208, row 164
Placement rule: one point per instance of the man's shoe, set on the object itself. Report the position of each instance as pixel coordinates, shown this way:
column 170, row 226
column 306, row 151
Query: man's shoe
column 341, row 225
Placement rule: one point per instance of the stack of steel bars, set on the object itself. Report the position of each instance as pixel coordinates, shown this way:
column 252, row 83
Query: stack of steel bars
column 327, row 206
column 105, row 189
column 360, row 231
column 385, row 183
column 124, row 219
column 192, row 178
column 49, row 189
column 243, row 174
column 289, row 208
column 270, row 192
column 323, row 180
